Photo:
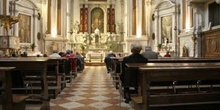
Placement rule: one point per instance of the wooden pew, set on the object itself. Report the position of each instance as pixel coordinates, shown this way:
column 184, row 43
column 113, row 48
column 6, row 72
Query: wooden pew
column 183, row 60
column 37, row 65
column 116, row 65
column 10, row 101
column 169, row 72
column 54, row 75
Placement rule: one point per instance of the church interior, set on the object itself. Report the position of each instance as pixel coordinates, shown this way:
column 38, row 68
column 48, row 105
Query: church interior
column 97, row 26
column 186, row 29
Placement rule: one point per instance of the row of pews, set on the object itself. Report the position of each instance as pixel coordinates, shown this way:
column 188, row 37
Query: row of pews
column 173, row 83
column 33, row 79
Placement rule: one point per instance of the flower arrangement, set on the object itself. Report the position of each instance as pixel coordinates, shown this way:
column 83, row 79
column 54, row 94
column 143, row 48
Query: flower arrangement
column 159, row 46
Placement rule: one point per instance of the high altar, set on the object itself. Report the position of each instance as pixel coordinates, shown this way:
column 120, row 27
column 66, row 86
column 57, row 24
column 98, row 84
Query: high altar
column 96, row 33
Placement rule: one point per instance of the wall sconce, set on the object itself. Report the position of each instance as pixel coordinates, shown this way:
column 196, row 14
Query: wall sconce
column 217, row 1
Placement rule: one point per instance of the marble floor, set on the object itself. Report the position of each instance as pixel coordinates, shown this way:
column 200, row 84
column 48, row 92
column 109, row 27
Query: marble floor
column 91, row 90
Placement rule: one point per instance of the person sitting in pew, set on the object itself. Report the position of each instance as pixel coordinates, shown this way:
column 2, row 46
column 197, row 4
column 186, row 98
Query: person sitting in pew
column 80, row 62
column 71, row 54
column 167, row 54
column 107, row 61
column 149, row 54
column 54, row 54
column 129, row 78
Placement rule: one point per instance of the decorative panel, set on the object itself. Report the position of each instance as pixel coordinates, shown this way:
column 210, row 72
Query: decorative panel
column 211, row 43
column 86, row 20
column 113, row 20
column 49, row 17
column 11, row 42
column 81, row 20
column 59, row 17
column 108, row 20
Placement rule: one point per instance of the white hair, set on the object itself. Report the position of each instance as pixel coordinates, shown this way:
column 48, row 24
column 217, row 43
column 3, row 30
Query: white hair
column 136, row 47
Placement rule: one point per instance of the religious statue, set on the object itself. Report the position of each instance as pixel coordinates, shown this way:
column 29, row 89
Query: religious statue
column 185, row 52
column 119, row 28
column 76, row 27
column 97, row 35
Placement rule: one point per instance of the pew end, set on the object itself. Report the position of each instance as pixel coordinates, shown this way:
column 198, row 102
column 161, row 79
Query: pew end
column 19, row 102
column 137, row 102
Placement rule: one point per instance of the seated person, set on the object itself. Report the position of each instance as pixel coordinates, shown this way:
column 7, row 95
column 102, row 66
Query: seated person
column 62, row 54
column 130, row 80
column 54, row 54
column 149, row 54
column 80, row 61
column 107, row 60
column 71, row 54
column 167, row 54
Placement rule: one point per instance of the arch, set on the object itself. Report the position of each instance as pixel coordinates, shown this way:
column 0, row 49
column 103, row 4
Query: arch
column 27, row 3
column 164, row 4
column 97, row 19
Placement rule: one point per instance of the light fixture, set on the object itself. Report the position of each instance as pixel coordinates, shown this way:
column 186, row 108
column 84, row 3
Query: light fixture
column 217, row 1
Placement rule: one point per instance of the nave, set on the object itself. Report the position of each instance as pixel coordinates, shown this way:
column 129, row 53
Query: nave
column 91, row 90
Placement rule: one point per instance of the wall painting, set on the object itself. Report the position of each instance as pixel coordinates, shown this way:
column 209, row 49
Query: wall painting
column 24, row 28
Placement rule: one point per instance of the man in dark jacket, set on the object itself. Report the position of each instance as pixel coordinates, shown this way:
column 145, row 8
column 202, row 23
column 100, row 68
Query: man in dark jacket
column 129, row 77
column 107, row 60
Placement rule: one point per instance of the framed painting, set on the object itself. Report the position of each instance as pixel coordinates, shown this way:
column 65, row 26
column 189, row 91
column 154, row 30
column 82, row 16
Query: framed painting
column 24, row 28
column 97, row 20
column 166, row 29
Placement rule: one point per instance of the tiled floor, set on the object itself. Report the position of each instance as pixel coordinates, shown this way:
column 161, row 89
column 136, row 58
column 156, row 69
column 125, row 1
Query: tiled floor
column 91, row 90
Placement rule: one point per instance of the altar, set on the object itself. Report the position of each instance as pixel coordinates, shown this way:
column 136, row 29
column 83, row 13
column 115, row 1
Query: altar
column 95, row 56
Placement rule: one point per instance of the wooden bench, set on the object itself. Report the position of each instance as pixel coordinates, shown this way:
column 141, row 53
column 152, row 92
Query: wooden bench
column 19, row 102
column 181, row 72
column 36, row 65
column 116, row 67
column 183, row 60
column 54, row 79
column 54, row 74
column 10, row 101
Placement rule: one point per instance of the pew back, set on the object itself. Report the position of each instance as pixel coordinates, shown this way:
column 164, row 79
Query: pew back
column 154, row 72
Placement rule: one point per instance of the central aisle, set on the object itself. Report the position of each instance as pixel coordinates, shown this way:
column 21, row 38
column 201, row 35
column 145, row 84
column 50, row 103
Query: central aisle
column 91, row 90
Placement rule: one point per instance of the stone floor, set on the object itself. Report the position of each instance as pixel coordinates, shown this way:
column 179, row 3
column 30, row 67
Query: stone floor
column 91, row 90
